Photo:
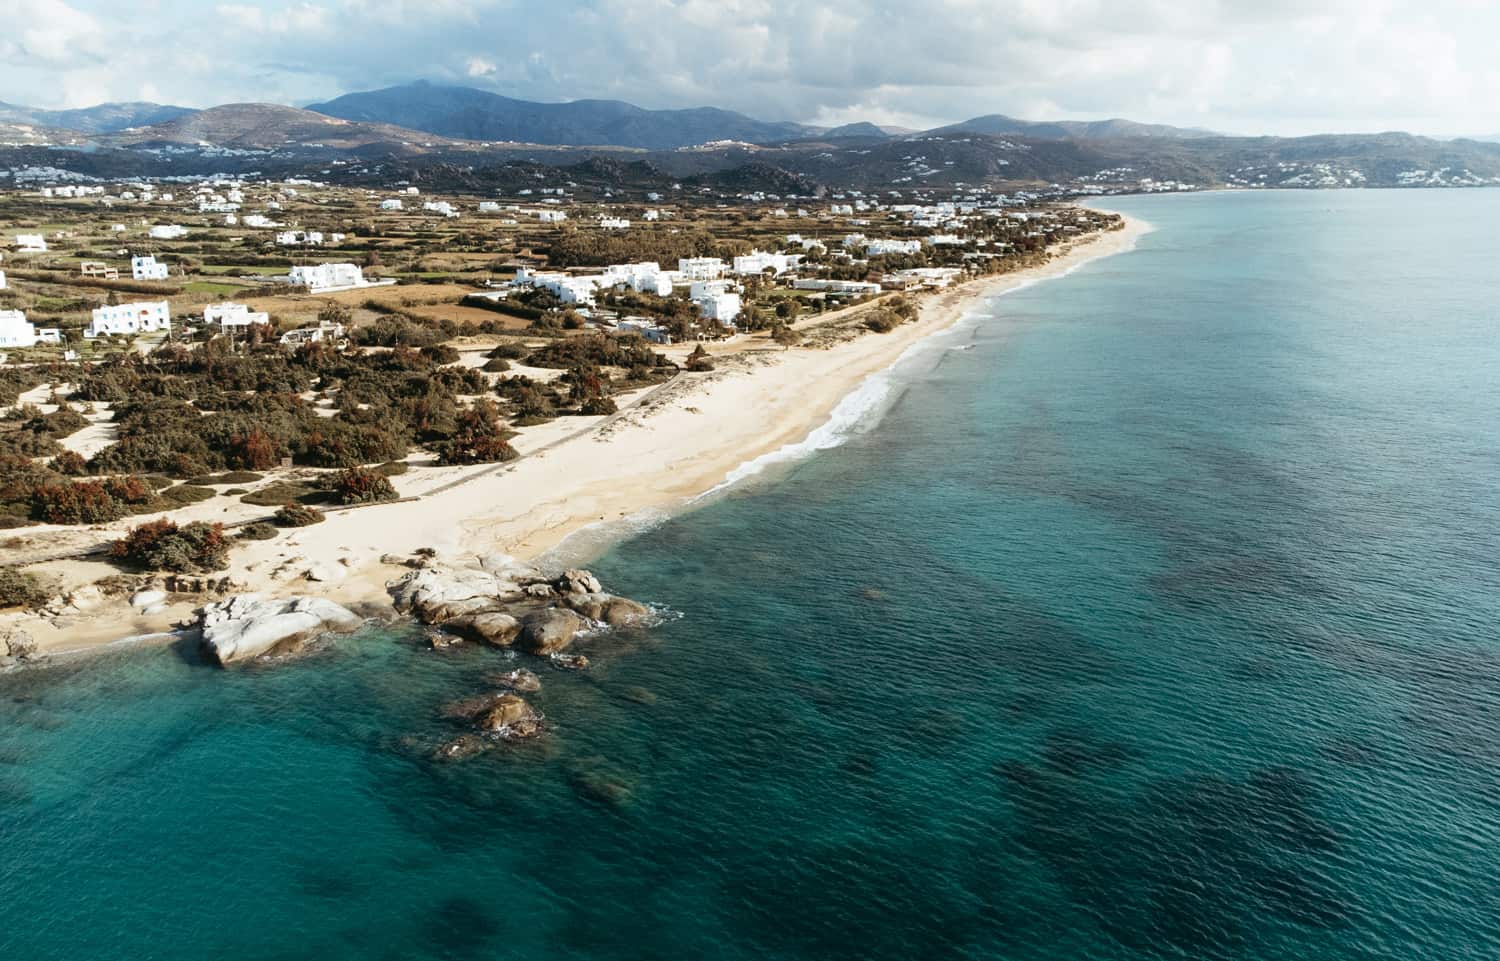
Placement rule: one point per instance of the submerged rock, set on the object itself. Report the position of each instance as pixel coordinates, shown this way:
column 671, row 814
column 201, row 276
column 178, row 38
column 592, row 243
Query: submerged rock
column 550, row 630
column 247, row 626
column 518, row 680
column 461, row 748
column 570, row 662
column 509, row 714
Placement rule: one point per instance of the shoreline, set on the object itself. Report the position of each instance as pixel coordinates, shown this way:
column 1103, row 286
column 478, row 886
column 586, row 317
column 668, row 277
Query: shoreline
column 669, row 449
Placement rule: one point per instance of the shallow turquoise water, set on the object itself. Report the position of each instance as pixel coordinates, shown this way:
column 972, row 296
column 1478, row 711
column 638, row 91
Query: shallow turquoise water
column 1159, row 624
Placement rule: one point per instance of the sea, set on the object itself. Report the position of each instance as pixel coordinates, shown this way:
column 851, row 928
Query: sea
column 1151, row 612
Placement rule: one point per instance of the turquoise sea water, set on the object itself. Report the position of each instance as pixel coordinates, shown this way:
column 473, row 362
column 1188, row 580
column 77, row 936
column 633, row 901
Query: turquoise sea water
column 1159, row 623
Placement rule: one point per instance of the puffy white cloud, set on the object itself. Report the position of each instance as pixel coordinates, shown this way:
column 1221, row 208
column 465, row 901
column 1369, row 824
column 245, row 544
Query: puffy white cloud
column 1282, row 66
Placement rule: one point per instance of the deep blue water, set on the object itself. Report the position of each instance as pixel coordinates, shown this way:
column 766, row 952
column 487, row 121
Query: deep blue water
column 1162, row 623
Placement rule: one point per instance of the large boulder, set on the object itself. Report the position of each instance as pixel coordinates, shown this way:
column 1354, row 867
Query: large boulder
column 549, row 631
column 247, row 626
column 438, row 594
column 578, row 582
column 611, row 610
column 508, row 712
column 495, row 628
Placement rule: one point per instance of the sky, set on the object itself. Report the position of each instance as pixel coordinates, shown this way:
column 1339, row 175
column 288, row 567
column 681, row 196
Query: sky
column 1240, row 66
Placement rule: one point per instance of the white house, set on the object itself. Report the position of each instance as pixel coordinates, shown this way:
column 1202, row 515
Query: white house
column 167, row 231
column 489, row 207
column 31, row 243
column 758, row 262
column 313, row 335
column 2, row 280
column 837, row 286
column 440, row 207
column 138, row 318
column 654, row 332
column 307, row 238
column 645, row 277
column 614, row 223
column 568, row 289
column 876, row 248
column 328, row 278
column 146, row 268
column 391, row 204
column 721, row 307
column 551, row 216
column 715, row 301
column 945, row 240
column 258, row 220
column 15, row 331
column 700, row 268
column 233, row 315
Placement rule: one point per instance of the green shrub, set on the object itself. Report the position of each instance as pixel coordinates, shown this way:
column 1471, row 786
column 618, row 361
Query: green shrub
column 393, row 468
column 258, row 531
column 184, row 494
column 21, row 588
column 282, row 492
column 298, row 515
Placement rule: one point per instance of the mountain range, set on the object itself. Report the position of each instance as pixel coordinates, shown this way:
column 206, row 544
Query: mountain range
column 466, row 136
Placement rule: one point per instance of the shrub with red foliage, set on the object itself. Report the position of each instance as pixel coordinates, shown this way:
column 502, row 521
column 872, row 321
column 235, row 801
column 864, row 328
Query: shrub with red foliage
column 256, row 450
column 357, row 485
column 161, row 545
column 85, row 502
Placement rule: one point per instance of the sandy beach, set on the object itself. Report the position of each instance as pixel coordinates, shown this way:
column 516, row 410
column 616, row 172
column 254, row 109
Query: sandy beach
column 665, row 447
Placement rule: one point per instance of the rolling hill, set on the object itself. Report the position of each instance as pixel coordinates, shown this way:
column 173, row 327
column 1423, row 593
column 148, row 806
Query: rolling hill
column 102, row 118
column 268, row 126
column 469, row 114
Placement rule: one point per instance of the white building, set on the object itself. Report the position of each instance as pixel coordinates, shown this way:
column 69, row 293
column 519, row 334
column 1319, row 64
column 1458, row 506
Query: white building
column 328, row 278
column 258, row 220
column 646, row 277
column 566, row 288
column 877, row 248
column 489, row 207
column 614, row 223
column 167, row 231
column 391, row 204
column 31, row 243
column 722, row 307
column 2, row 280
column 859, row 287
column 233, row 315
column 313, row 335
column 758, row 262
column 945, row 240
column 440, row 207
column 15, row 331
column 716, row 301
column 551, row 216
column 138, row 318
column 654, row 332
column 146, row 268
column 307, row 238
column 700, row 268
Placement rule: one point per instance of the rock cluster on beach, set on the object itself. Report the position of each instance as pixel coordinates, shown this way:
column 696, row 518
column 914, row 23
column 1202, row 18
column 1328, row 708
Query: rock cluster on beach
column 503, row 604
column 246, row 626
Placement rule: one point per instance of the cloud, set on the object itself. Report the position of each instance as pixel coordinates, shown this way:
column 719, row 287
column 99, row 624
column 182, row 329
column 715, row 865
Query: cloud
column 1281, row 66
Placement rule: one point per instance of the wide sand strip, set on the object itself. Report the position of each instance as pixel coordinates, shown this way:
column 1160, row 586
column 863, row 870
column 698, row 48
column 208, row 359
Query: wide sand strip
column 664, row 448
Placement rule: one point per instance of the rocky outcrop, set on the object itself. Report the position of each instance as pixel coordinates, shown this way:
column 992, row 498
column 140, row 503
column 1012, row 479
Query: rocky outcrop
column 549, row 631
column 438, row 594
column 495, row 628
column 578, row 582
column 248, row 626
column 16, row 645
column 607, row 608
column 502, row 713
